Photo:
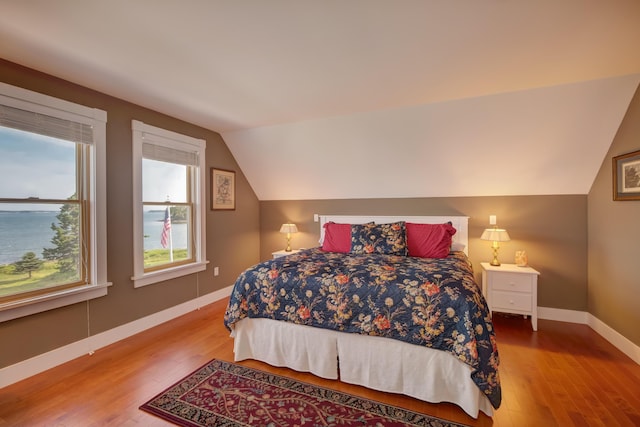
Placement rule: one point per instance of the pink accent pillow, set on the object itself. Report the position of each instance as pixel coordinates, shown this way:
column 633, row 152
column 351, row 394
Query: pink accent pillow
column 337, row 237
column 429, row 240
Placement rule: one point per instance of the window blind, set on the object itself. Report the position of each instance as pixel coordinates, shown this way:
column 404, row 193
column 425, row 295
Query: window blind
column 46, row 125
column 163, row 153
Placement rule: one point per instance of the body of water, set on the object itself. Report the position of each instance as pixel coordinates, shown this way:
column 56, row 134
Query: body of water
column 30, row 231
column 153, row 223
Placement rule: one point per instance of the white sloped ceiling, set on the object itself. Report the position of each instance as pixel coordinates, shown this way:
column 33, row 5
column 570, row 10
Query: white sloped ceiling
column 539, row 141
column 361, row 98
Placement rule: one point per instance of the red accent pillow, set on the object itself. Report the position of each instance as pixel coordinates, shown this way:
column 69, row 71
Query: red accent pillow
column 429, row 240
column 337, row 237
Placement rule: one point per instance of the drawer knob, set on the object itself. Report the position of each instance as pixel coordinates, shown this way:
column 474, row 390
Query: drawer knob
column 511, row 301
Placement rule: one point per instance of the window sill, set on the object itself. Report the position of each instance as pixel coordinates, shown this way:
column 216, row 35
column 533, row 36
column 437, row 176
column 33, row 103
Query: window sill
column 170, row 273
column 37, row 304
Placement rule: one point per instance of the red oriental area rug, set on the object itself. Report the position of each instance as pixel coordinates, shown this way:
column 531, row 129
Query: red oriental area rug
column 226, row 394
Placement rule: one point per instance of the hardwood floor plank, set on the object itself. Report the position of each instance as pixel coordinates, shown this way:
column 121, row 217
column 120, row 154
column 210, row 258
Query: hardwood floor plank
column 562, row 375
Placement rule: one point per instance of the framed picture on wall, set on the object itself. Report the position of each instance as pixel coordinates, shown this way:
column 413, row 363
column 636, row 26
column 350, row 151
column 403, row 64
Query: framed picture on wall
column 223, row 189
column 626, row 176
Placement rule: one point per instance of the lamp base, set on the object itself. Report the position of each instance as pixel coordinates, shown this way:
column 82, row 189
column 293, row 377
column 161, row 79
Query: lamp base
column 495, row 261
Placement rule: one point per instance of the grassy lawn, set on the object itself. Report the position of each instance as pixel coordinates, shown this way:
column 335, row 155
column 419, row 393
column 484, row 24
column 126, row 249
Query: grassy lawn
column 161, row 256
column 48, row 274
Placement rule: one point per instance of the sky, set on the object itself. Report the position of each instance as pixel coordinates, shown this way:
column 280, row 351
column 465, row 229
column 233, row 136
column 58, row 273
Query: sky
column 163, row 181
column 40, row 166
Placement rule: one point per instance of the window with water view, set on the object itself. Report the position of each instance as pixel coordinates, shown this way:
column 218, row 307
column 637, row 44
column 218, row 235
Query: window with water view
column 167, row 214
column 42, row 217
column 53, row 228
column 168, row 191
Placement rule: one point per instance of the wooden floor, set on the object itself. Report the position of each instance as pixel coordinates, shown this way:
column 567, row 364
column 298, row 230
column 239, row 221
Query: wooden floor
column 563, row 375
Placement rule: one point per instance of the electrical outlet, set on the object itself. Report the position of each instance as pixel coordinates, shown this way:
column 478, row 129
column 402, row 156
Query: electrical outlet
column 315, row 218
column 216, row 271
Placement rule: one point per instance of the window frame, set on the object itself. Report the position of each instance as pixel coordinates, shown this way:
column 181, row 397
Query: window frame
column 143, row 132
column 97, row 283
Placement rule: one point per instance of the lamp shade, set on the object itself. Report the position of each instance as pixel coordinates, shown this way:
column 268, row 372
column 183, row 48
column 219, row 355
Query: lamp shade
column 495, row 235
column 288, row 228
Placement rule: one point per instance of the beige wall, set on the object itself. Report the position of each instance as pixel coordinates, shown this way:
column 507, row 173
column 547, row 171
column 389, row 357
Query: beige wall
column 552, row 229
column 614, row 237
column 232, row 236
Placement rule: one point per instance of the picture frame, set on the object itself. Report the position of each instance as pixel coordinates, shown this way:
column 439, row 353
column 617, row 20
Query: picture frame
column 223, row 190
column 626, row 176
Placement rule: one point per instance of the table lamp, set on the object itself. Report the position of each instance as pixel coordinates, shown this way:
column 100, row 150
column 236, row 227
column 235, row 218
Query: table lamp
column 288, row 229
column 495, row 235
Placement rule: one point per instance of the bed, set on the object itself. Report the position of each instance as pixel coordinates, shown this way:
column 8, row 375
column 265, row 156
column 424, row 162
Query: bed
column 375, row 314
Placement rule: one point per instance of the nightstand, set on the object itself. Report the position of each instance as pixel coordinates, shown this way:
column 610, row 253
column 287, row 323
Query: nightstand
column 278, row 254
column 511, row 289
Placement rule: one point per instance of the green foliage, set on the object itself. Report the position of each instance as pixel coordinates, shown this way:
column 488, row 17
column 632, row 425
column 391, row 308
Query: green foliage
column 66, row 239
column 155, row 257
column 28, row 264
column 47, row 276
column 7, row 269
column 178, row 213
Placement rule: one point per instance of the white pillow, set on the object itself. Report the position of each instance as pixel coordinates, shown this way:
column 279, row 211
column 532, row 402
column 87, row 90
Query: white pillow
column 457, row 246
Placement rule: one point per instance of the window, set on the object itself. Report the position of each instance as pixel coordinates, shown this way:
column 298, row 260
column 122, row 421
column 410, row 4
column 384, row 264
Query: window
column 52, row 203
column 169, row 204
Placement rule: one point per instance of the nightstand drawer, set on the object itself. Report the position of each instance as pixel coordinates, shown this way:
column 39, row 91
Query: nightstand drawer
column 512, row 282
column 511, row 301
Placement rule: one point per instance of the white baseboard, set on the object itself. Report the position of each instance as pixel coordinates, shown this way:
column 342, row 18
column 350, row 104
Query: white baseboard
column 560, row 315
column 604, row 330
column 614, row 337
column 35, row 365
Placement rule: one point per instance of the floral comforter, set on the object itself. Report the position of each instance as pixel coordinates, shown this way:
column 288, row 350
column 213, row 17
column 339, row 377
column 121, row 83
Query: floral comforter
column 428, row 302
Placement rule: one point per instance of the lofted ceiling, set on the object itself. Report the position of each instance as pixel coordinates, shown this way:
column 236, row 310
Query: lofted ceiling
column 361, row 98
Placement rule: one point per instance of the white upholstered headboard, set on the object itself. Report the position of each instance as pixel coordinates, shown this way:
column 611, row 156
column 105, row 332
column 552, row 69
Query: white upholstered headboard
column 460, row 223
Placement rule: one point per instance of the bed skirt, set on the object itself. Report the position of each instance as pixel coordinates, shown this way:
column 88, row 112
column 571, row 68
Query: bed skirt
column 374, row 362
